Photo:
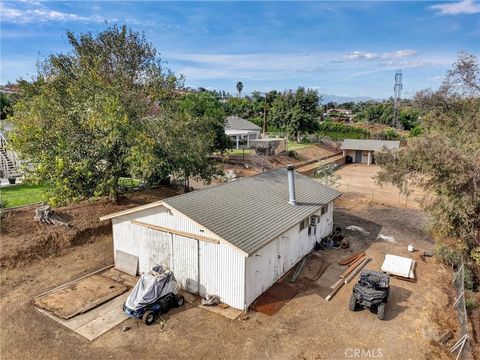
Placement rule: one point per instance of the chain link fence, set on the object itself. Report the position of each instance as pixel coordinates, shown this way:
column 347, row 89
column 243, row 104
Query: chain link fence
column 379, row 195
column 462, row 347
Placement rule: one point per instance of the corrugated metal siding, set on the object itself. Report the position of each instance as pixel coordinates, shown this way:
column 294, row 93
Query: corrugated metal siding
column 162, row 216
column 222, row 272
column 185, row 262
column 222, row 267
column 271, row 262
column 151, row 247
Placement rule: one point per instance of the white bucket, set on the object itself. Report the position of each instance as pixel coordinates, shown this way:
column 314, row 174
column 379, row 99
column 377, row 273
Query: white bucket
column 411, row 247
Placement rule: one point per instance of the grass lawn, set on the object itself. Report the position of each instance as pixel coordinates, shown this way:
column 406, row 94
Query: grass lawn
column 239, row 151
column 293, row 145
column 22, row 194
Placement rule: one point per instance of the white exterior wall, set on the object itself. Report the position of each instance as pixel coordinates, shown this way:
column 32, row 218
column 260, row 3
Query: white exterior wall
column 271, row 262
column 199, row 266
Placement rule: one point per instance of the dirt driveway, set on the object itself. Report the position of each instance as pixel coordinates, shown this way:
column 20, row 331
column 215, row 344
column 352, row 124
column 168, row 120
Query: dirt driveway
column 307, row 327
column 359, row 179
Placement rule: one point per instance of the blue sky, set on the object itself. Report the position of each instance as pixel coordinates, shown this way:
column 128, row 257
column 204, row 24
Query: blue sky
column 342, row 48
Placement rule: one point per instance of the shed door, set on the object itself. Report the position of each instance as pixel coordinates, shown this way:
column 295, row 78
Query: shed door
column 185, row 262
column 358, row 156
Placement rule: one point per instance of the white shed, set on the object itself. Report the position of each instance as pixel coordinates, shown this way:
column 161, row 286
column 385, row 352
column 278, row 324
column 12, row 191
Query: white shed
column 233, row 240
column 362, row 151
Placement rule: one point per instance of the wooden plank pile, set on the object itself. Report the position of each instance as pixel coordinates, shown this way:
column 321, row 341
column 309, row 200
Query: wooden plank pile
column 355, row 263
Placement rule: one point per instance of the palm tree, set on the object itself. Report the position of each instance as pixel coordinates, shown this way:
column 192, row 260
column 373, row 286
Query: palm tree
column 239, row 88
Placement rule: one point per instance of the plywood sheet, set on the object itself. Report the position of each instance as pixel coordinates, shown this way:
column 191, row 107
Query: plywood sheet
column 126, row 262
column 230, row 313
column 81, row 296
column 95, row 322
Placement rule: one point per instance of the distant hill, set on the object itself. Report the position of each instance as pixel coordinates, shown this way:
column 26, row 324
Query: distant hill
column 342, row 99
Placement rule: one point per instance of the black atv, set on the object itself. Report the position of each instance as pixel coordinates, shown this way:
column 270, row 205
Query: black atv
column 371, row 292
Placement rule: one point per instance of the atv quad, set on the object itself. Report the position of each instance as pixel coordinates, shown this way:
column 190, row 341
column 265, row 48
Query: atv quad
column 371, row 292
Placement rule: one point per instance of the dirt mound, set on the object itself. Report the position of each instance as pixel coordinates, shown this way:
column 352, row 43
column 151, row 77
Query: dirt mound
column 23, row 239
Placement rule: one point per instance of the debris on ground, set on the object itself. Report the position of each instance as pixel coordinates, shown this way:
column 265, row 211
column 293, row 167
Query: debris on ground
column 400, row 266
column 427, row 253
column 211, row 300
column 331, row 241
column 45, row 215
column 357, row 228
column 345, row 244
column 299, row 268
column 351, row 259
column 224, row 306
column 126, row 328
column 387, row 238
column 244, row 316
column 348, row 274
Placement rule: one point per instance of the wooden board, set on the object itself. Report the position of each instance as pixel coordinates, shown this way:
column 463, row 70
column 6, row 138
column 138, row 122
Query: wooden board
column 230, row 313
column 126, row 263
column 351, row 259
column 80, row 296
column 95, row 322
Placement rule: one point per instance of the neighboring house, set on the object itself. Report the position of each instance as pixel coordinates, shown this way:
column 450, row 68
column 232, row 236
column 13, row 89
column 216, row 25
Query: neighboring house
column 239, row 129
column 233, row 240
column 363, row 151
column 9, row 162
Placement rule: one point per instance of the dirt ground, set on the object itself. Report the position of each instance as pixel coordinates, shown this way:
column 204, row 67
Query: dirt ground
column 24, row 240
column 307, row 327
column 359, row 179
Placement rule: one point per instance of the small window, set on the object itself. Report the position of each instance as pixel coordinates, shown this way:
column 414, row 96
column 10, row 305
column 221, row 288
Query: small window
column 324, row 209
column 303, row 224
column 312, row 230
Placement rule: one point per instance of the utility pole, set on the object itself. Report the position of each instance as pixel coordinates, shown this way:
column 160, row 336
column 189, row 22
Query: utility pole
column 265, row 115
column 397, row 95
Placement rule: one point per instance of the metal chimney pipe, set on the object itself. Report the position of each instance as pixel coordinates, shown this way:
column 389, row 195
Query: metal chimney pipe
column 292, row 199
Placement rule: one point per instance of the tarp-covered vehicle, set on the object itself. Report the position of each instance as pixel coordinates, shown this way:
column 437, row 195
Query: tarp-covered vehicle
column 155, row 293
column 371, row 291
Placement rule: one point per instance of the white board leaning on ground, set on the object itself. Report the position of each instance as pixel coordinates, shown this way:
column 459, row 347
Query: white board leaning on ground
column 234, row 240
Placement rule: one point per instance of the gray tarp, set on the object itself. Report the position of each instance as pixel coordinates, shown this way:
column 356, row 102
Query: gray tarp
column 150, row 287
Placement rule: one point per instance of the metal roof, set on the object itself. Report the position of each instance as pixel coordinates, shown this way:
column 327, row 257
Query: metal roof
column 237, row 123
column 251, row 212
column 375, row 145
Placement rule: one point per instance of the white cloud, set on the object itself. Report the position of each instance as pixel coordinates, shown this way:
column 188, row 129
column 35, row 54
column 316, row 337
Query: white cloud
column 363, row 55
column 355, row 55
column 40, row 13
column 456, row 8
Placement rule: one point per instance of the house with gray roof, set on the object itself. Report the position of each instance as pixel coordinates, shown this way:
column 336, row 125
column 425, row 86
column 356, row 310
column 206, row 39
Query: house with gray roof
column 241, row 130
column 234, row 240
column 363, row 151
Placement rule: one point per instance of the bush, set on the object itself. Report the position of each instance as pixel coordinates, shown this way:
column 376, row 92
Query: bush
column 292, row 153
column 336, row 131
column 450, row 255
column 470, row 302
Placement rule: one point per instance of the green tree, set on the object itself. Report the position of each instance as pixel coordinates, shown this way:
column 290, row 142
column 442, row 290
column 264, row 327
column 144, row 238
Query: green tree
column 5, row 106
column 239, row 88
column 81, row 123
column 445, row 158
column 296, row 112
